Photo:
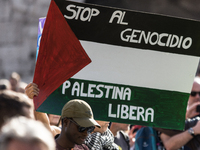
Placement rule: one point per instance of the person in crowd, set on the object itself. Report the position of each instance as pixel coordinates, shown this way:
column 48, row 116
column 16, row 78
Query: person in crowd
column 22, row 86
column 179, row 140
column 5, row 84
column 77, row 122
column 102, row 138
column 22, row 133
column 132, row 135
column 14, row 81
column 14, row 104
column 120, row 132
column 32, row 90
column 16, row 84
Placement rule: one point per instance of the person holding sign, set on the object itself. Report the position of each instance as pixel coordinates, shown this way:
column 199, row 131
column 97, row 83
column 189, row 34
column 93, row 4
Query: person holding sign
column 120, row 132
column 32, row 90
column 77, row 122
column 100, row 138
column 190, row 137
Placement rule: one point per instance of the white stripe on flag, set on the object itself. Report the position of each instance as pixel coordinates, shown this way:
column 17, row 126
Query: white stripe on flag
column 136, row 67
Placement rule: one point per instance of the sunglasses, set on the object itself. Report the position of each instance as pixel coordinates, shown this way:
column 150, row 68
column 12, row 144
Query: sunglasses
column 193, row 93
column 82, row 129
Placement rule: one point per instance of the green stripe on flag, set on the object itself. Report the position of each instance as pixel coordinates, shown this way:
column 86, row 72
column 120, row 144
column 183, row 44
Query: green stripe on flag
column 123, row 103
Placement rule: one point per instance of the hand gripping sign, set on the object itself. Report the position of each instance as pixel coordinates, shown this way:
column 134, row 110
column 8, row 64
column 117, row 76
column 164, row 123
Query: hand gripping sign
column 142, row 68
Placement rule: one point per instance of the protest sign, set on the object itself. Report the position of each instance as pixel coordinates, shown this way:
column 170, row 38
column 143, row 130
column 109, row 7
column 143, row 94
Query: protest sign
column 142, row 69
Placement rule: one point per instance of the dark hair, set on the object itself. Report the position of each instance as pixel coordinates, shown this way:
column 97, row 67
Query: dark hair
column 2, row 87
column 10, row 106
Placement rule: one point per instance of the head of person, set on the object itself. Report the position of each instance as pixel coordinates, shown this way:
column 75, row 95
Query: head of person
column 22, row 86
column 14, row 104
column 195, row 92
column 104, row 126
column 25, row 134
column 77, row 121
column 5, row 84
column 14, row 81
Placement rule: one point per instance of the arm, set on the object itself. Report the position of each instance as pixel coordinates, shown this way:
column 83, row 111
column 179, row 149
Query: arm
column 179, row 140
column 175, row 142
column 45, row 120
column 32, row 90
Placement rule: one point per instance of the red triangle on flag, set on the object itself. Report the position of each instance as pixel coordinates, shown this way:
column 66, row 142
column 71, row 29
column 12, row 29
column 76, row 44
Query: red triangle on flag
column 60, row 55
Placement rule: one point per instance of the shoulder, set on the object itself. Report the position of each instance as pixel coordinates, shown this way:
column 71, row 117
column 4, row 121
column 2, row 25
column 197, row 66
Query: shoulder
column 55, row 130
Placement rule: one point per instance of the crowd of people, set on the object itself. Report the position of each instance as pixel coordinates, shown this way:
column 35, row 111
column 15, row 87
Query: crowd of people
column 21, row 127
